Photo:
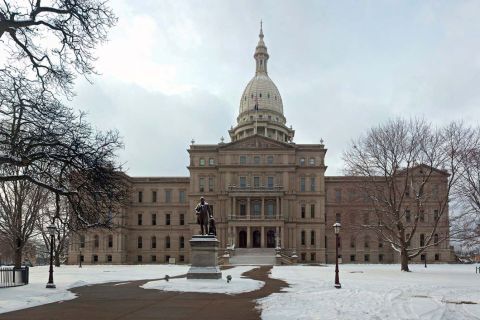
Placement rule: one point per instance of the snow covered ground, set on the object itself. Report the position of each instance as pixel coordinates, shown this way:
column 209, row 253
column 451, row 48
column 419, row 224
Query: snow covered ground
column 237, row 285
column 375, row 292
column 67, row 277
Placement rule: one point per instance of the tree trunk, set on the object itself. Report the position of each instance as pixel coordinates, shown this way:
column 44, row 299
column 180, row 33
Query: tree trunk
column 18, row 257
column 57, row 260
column 404, row 260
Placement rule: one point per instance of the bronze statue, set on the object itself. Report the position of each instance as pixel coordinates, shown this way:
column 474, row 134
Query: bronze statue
column 205, row 218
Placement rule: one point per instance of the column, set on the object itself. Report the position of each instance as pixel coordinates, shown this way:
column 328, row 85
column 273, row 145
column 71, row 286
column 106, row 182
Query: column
column 249, row 240
column 262, row 212
column 277, row 237
column 248, row 208
column 277, row 208
column 262, row 239
column 234, row 235
column 284, row 208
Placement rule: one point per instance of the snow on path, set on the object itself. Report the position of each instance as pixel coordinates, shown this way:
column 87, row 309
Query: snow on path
column 67, row 277
column 237, row 285
column 375, row 292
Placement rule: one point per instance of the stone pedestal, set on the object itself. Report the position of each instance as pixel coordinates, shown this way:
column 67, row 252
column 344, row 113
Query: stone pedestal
column 204, row 258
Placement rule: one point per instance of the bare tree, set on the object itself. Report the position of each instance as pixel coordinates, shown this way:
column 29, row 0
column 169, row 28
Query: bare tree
column 21, row 202
column 54, row 39
column 408, row 166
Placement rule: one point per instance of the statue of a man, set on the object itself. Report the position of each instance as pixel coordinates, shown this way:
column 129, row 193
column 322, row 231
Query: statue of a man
column 205, row 218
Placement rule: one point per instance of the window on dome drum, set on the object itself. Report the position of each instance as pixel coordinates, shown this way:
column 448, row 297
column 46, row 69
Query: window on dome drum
column 256, row 182
column 202, row 162
column 154, row 219
column 167, row 219
column 154, row 196
column 256, row 160
column 139, row 219
column 110, row 241
column 302, row 184
column 311, row 161
column 211, row 162
column 302, row 161
column 139, row 242
column 270, row 160
column 243, row 159
column 243, row 182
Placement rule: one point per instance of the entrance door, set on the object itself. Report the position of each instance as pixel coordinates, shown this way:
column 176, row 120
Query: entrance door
column 242, row 239
column 256, row 239
column 271, row 239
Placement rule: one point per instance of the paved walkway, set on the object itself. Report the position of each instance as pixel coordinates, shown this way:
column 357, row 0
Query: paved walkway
column 128, row 301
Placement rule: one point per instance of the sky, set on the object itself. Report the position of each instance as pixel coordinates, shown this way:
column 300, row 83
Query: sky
column 173, row 71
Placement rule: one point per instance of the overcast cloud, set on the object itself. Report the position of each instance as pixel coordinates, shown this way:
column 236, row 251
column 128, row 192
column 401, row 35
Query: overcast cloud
column 175, row 70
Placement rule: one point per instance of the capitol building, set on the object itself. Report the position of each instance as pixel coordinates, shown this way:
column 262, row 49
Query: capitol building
column 266, row 191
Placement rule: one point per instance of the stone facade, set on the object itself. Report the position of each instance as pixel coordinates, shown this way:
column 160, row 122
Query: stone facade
column 265, row 191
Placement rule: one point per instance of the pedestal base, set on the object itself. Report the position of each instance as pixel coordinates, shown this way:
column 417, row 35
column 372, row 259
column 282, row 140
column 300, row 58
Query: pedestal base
column 204, row 258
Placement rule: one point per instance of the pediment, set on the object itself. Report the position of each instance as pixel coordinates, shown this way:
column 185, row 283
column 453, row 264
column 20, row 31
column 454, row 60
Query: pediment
column 256, row 142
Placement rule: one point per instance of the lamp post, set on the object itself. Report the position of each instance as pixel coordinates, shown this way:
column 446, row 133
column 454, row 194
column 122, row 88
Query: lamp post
column 51, row 230
column 336, row 228
column 80, row 259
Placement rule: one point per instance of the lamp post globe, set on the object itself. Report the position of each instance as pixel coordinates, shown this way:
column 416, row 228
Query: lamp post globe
column 51, row 230
column 336, row 228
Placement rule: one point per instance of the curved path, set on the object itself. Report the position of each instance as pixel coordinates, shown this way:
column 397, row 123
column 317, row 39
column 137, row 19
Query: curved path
column 129, row 301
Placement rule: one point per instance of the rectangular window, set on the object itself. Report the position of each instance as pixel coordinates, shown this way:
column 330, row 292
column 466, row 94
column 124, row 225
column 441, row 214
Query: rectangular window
column 243, row 182
column 210, row 184
column 270, row 182
column 109, row 258
column 243, row 159
column 182, row 219
column 95, row 258
column 256, row 160
column 211, row 162
column 256, row 182
column 140, row 196
column 312, row 256
column 181, row 196
column 312, row 211
column 154, row 258
column 243, row 209
column 352, row 258
column 435, row 215
column 303, row 238
column 167, row 259
column 302, row 161
column 303, row 256
column 139, row 243
column 338, row 218
column 202, row 162
column 270, row 159
column 139, row 219
column 311, row 161
column 110, row 241
column 312, row 238
column 82, row 241
column 408, row 216
column 422, row 240
column 154, row 196
column 167, row 242
column 257, row 207
column 338, row 195
column 167, row 219
column 201, row 184
column 139, row 258
column 302, row 184
column 312, row 183
column 302, row 211
column 182, row 242
column 181, row 258
column 422, row 257
column 168, row 196
column 380, row 258
column 367, row 258
column 270, row 209
column 422, row 215
column 154, row 242
column 437, row 257
column 154, row 219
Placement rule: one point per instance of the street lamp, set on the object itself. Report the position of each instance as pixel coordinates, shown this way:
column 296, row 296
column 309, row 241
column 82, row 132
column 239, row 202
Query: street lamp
column 51, row 230
column 336, row 227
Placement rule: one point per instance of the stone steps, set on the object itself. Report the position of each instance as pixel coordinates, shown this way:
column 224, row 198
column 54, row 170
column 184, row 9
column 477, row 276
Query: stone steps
column 256, row 256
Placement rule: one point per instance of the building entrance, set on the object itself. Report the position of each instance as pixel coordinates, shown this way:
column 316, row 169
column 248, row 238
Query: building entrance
column 271, row 239
column 242, row 239
column 256, row 239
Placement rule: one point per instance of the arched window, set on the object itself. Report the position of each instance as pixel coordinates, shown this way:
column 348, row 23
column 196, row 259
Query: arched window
column 367, row 242
column 139, row 242
column 154, row 242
